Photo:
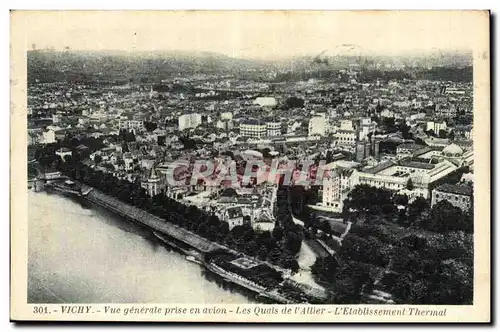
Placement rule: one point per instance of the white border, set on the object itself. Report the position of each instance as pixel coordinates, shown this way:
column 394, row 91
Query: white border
column 186, row 4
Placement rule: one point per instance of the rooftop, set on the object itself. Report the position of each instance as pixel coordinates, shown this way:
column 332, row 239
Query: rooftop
column 416, row 164
column 455, row 189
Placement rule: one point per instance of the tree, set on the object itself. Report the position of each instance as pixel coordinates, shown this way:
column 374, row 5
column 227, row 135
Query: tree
column 351, row 279
column 446, row 217
column 443, row 133
column 416, row 208
column 363, row 249
column 367, row 199
column 409, row 184
column 293, row 242
column 277, row 233
column 294, row 102
column 325, row 268
column 150, row 126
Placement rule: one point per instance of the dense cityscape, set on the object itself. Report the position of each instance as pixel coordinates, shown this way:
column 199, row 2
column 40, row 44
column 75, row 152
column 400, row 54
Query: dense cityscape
column 342, row 179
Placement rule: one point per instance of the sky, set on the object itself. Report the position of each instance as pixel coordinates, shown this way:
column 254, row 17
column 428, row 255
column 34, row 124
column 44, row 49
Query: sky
column 254, row 34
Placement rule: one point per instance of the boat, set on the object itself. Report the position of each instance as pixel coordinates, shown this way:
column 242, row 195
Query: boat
column 193, row 259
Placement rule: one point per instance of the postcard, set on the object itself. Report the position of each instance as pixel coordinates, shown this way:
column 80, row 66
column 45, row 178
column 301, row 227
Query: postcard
column 250, row 166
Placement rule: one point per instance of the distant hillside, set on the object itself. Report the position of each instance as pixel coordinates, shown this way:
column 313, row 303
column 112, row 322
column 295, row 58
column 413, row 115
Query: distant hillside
column 116, row 66
column 52, row 66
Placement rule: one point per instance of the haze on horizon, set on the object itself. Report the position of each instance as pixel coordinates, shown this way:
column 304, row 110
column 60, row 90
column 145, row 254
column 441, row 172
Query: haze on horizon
column 253, row 34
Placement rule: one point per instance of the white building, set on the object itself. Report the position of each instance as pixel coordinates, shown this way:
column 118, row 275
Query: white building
column 224, row 124
column 340, row 181
column 293, row 127
column 317, row 126
column 366, row 126
column 346, row 125
column 345, row 137
column 233, row 215
column 395, row 175
column 253, row 128
column 191, row 120
column 436, row 126
column 273, row 128
column 131, row 125
column 152, row 184
column 49, row 136
column 265, row 101
column 226, row 116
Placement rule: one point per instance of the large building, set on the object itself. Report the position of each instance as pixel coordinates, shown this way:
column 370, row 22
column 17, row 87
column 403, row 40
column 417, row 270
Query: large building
column 452, row 152
column 345, row 137
column 49, row 136
column 131, row 125
column 153, row 184
column 396, row 175
column 458, row 195
column 224, row 124
column 187, row 121
column 341, row 178
column 366, row 126
column 265, row 101
column 436, row 126
column 317, row 126
column 253, row 128
column 273, row 128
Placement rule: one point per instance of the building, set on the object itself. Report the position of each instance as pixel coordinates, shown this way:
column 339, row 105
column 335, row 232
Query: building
column 233, row 215
column 225, row 124
column 407, row 149
column 265, row 101
column 253, row 128
column 452, row 153
column 436, row 126
column 226, row 116
column 366, row 126
column 345, row 137
column 395, row 175
column 51, row 174
column 458, row 195
column 49, row 136
column 362, row 150
column 464, row 132
column 131, row 125
column 187, row 121
column 341, row 180
column 273, row 128
column 317, row 126
column 152, row 184
column 264, row 223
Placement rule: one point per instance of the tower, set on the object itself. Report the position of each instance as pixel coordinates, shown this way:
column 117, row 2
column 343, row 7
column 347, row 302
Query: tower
column 153, row 183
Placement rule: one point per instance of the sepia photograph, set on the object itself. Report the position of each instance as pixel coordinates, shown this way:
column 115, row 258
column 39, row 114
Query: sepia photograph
column 249, row 161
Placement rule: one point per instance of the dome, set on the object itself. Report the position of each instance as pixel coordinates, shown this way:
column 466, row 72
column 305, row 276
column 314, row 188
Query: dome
column 453, row 150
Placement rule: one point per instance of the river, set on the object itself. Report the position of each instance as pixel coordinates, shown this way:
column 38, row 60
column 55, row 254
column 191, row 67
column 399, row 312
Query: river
column 83, row 254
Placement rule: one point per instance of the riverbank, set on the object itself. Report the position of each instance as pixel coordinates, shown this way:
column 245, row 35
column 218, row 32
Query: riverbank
column 202, row 245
